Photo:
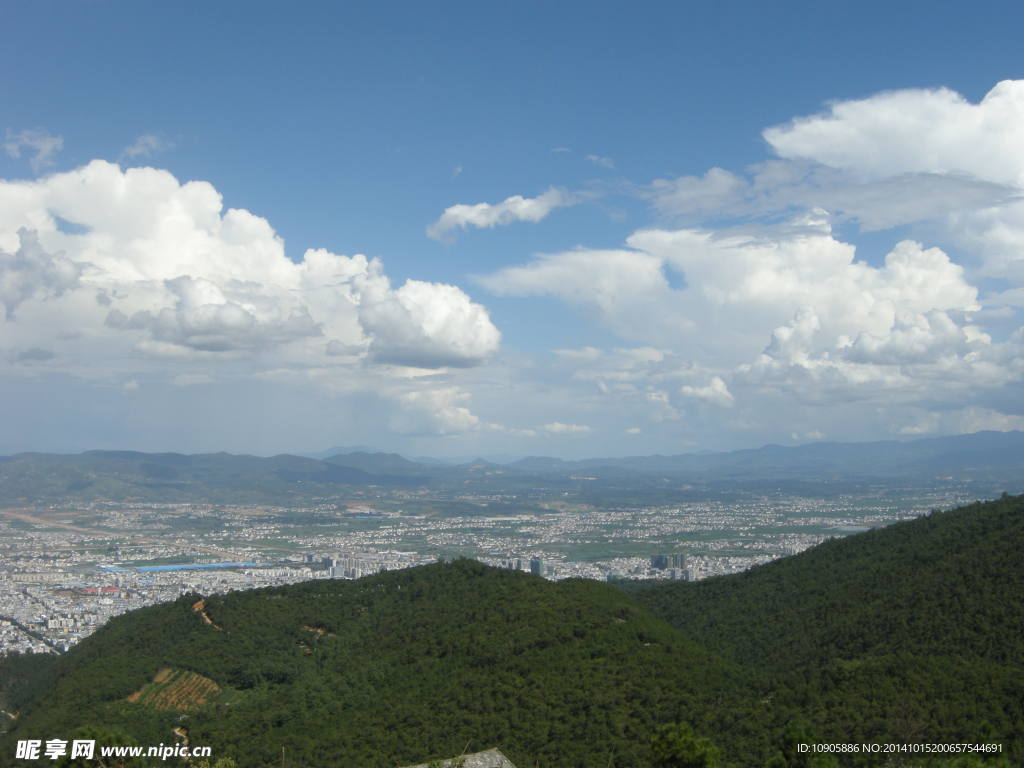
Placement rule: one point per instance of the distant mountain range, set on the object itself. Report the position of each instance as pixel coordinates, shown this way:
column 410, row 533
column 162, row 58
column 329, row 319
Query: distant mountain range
column 876, row 459
column 993, row 457
column 911, row 634
column 341, row 449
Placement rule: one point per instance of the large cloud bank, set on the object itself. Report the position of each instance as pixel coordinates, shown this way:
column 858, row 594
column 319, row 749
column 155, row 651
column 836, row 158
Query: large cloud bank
column 778, row 314
column 777, row 325
column 117, row 276
column 799, row 299
column 915, row 131
column 102, row 258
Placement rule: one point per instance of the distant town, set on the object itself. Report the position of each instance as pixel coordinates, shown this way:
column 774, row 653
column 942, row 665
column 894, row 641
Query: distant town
column 65, row 569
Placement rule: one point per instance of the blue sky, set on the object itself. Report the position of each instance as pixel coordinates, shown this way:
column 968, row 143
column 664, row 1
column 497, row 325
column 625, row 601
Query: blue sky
column 587, row 229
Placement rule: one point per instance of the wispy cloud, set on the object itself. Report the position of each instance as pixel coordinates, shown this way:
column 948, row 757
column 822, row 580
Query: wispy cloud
column 146, row 145
column 488, row 215
column 604, row 162
column 558, row 428
column 35, row 140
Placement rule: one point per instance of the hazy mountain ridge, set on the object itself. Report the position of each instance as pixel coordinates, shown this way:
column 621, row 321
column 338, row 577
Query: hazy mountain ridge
column 890, row 458
column 221, row 477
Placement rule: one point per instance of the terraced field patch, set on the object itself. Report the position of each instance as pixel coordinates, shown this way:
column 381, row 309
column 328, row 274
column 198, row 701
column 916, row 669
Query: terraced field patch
column 175, row 689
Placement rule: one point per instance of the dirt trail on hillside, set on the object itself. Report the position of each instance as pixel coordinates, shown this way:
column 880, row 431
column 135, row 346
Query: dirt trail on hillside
column 200, row 607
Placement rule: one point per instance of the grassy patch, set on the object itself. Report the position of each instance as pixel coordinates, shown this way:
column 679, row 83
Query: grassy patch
column 175, row 689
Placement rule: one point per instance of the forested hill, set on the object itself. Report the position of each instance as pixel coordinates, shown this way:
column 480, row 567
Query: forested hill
column 914, row 629
column 397, row 668
column 912, row 634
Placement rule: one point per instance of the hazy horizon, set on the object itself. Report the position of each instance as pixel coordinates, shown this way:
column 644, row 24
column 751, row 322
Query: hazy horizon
column 493, row 457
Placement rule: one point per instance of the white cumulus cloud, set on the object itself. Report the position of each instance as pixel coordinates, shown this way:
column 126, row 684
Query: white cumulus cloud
column 787, row 312
column 915, row 131
column 155, row 267
column 627, row 289
column 738, row 287
column 715, row 392
column 787, row 322
column 30, row 272
column 921, row 154
column 427, row 325
column 433, row 412
column 488, row 215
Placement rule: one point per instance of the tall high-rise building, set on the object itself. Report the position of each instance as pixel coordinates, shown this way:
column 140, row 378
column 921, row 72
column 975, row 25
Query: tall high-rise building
column 679, row 560
column 659, row 562
column 537, row 567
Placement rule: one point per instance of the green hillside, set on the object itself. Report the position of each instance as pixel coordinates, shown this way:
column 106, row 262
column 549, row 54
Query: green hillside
column 912, row 632
column 402, row 666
